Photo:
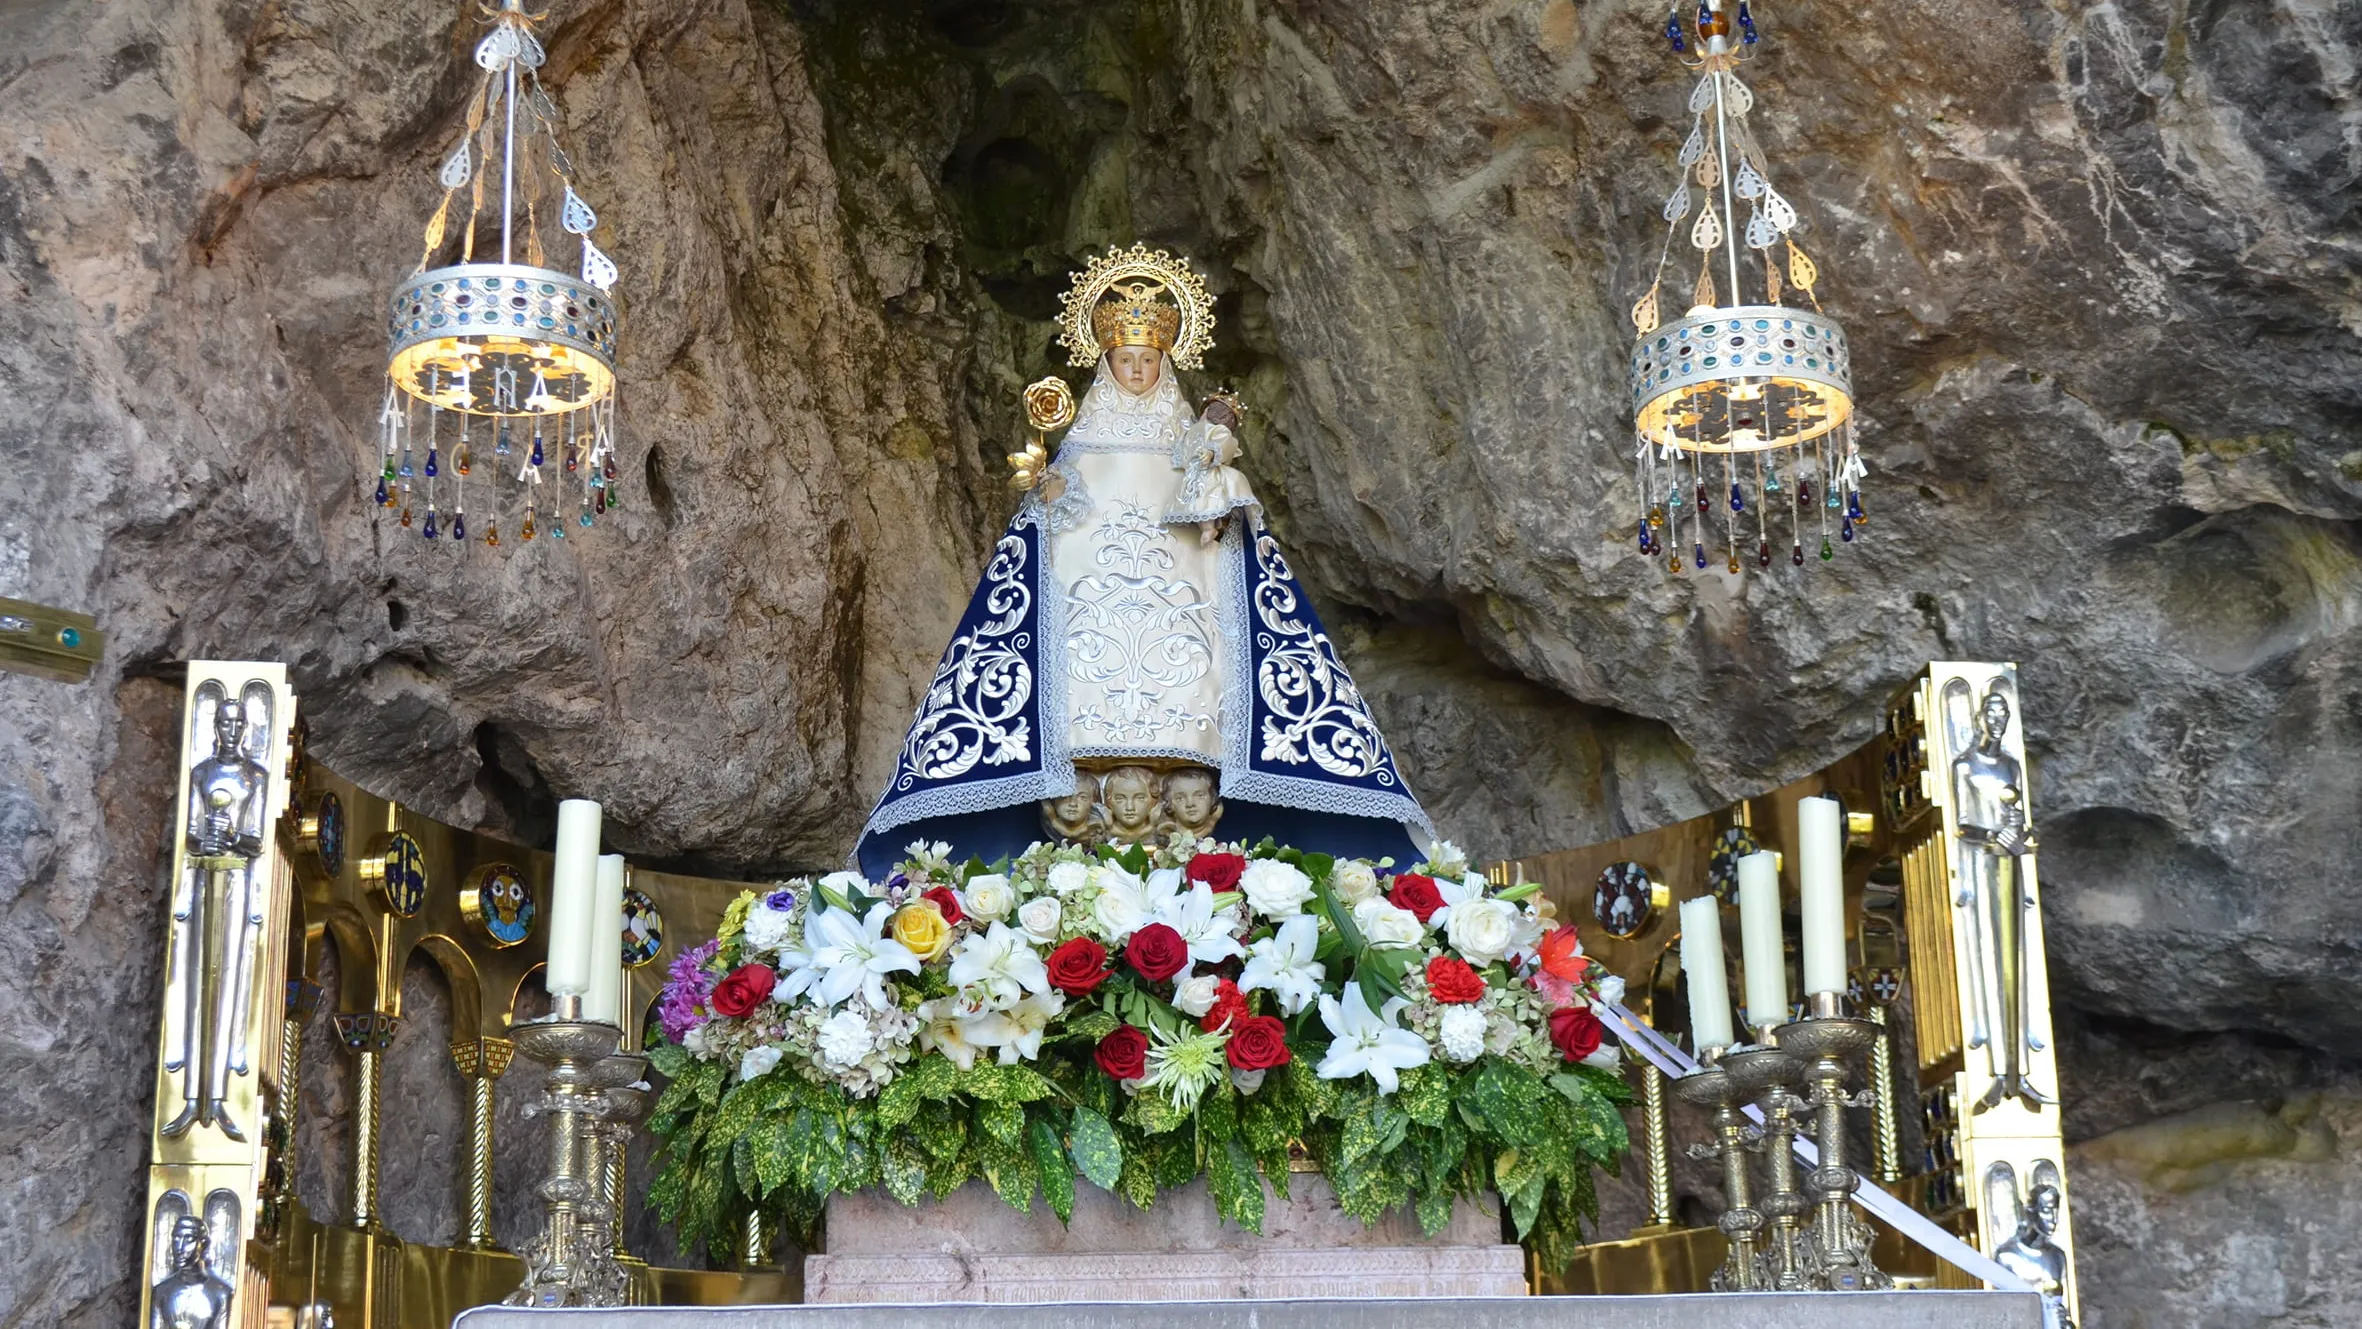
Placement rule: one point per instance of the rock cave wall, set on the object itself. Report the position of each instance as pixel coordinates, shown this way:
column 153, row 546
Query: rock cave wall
column 2099, row 262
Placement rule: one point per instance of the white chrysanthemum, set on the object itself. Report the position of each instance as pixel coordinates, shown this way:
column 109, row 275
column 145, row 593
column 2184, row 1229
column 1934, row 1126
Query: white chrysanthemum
column 1462, row 1033
column 1275, row 889
column 1067, row 878
column 1354, row 881
column 845, row 1038
column 766, row 928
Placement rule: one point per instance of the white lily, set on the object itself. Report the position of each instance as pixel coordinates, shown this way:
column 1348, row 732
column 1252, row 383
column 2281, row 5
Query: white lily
column 1282, row 965
column 1125, row 904
column 1210, row 932
column 794, row 966
column 1028, row 1020
column 946, row 1029
column 998, row 968
column 1368, row 1042
column 853, row 955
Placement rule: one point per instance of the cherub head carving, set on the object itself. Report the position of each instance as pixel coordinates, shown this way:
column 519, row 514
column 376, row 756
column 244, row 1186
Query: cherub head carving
column 1193, row 801
column 1132, row 795
column 1076, row 818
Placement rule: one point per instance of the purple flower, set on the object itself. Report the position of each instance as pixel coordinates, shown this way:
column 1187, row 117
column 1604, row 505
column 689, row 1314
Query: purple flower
column 780, row 901
column 688, row 991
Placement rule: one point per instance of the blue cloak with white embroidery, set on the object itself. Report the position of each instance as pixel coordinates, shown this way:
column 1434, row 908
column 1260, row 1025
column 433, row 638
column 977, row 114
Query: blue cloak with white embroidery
column 1302, row 760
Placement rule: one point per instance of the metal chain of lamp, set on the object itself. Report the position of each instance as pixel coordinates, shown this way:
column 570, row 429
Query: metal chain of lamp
column 507, row 367
column 1733, row 391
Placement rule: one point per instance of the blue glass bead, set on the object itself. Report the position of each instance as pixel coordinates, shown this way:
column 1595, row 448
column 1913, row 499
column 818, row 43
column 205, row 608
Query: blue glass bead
column 500, row 447
column 459, row 526
column 557, row 530
column 1644, row 535
column 1845, row 530
column 1701, row 556
column 536, row 457
column 69, row 637
column 1738, row 501
column 430, row 464
column 381, row 491
column 586, row 518
column 405, row 472
column 1832, row 502
column 1673, row 33
column 1853, row 505
column 429, row 532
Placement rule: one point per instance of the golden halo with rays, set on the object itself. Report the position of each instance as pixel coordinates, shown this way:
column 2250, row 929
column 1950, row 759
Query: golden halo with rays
column 1170, row 272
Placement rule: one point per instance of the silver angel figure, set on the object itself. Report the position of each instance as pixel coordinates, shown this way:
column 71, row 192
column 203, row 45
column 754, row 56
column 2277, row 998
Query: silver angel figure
column 1989, row 798
column 191, row 1296
column 217, row 912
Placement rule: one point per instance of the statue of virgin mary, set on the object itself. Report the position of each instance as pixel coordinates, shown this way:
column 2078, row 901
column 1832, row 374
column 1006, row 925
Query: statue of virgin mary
column 1138, row 658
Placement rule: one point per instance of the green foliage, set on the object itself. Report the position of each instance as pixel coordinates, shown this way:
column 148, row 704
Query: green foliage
column 785, row 1144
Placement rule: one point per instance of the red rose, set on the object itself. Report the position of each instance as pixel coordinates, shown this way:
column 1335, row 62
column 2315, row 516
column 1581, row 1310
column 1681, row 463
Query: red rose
column 1417, row 894
column 1575, row 1031
column 1157, row 952
column 1124, row 1053
column 1452, row 982
column 743, row 990
column 1257, row 1043
column 1219, row 871
column 1078, row 966
column 1230, row 1005
column 947, row 900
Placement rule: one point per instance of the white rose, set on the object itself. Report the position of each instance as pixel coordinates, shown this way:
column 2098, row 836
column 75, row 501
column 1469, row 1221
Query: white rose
column 1448, row 859
column 1607, row 1056
column 1611, row 991
column 845, row 1038
column 1482, row 931
column 1246, row 1082
column 1067, row 878
column 1040, row 918
column 1384, row 925
column 1196, row 996
column 845, row 882
column 757, row 1062
column 988, row 896
column 1354, row 881
column 1275, row 889
column 766, row 929
column 1462, row 1033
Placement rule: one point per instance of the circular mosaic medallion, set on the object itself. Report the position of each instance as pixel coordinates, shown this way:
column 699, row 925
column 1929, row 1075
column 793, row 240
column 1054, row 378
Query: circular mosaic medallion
column 1722, row 867
column 1880, row 985
column 643, row 929
column 402, row 876
column 328, row 835
column 1624, row 900
column 501, row 903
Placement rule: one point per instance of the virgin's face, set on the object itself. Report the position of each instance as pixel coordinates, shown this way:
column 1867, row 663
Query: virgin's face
column 1136, row 368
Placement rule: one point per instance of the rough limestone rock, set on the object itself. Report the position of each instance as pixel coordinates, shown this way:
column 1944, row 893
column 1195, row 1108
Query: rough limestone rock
column 2098, row 262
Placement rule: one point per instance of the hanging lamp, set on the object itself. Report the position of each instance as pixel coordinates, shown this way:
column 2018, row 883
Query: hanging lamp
column 1742, row 410
column 502, row 373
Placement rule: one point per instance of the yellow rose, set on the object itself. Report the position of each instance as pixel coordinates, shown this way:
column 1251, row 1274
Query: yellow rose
column 921, row 928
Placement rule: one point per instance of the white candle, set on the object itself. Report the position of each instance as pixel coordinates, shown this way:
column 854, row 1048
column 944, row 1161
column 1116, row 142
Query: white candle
column 1709, row 981
column 1820, row 871
column 601, row 998
column 1761, row 941
column 573, row 881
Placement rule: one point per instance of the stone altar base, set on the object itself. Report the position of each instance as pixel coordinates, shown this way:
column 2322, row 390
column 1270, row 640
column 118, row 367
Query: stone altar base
column 1738, row 1310
column 974, row 1248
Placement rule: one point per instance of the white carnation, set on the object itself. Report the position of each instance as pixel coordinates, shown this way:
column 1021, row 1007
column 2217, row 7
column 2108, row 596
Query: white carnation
column 1067, row 878
column 1040, row 917
column 757, row 1062
column 1354, row 881
column 1384, row 925
column 1196, row 996
column 844, row 1039
column 767, row 929
column 1462, row 1033
column 1275, row 889
column 988, row 896
column 1482, row 931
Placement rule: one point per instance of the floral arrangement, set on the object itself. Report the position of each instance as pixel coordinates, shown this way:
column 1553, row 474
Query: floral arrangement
column 1139, row 1017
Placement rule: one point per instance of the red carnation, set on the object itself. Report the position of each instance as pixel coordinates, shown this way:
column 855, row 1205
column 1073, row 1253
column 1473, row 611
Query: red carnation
column 1258, row 1043
column 947, row 900
column 743, row 990
column 1452, row 982
column 1417, row 894
column 1575, row 1031
column 1219, row 871
column 1230, row 1005
column 1123, row 1054
column 1157, row 952
column 1078, row 967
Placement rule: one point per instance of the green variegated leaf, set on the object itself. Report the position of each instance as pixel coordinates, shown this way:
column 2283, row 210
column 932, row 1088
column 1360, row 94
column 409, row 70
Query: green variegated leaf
column 903, row 1171
column 1526, row 1202
column 1238, row 1192
column 1098, row 1154
column 1006, row 1121
column 668, row 1059
column 1152, row 1114
column 1092, row 1025
column 1426, row 1094
column 942, row 1132
column 1435, row 1210
column 930, row 1077
column 1049, row 1160
column 774, row 1161
column 1006, row 1084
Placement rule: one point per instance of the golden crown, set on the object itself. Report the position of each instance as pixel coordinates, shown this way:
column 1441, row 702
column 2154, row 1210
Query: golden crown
column 1137, row 297
column 1133, row 316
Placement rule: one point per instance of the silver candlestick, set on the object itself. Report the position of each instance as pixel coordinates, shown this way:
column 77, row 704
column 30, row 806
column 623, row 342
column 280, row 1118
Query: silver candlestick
column 568, row 1262
column 1715, row 1085
column 1839, row 1243
column 1778, row 1070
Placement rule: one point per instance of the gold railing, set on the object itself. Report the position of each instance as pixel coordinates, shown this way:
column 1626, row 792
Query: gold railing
column 385, row 884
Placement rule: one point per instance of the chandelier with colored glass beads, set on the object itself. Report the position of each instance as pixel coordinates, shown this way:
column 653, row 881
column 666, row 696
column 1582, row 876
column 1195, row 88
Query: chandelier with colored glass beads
column 502, row 374
column 1742, row 409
